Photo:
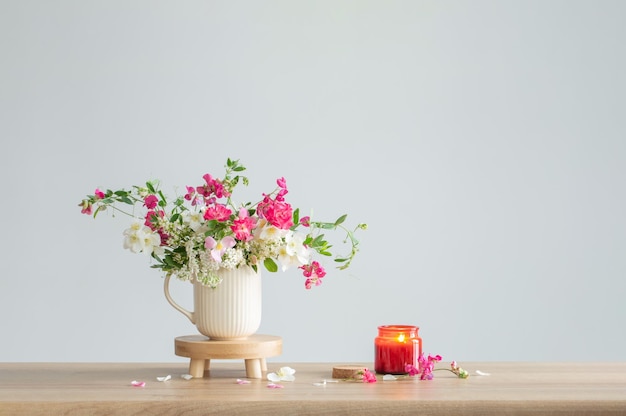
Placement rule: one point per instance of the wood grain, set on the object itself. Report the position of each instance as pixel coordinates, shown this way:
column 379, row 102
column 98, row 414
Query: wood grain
column 512, row 388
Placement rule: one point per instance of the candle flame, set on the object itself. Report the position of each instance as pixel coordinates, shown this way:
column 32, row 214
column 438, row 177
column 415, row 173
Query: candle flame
column 401, row 338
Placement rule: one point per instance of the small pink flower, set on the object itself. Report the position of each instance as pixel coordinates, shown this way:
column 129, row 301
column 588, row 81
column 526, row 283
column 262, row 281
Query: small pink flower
column 193, row 197
column 427, row 365
column 152, row 218
column 314, row 273
column 217, row 212
column 243, row 226
column 283, row 189
column 99, row 194
column 305, row 221
column 219, row 247
column 368, row 376
column 86, row 207
column 151, row 201
column 213, row 187
column 411, row 370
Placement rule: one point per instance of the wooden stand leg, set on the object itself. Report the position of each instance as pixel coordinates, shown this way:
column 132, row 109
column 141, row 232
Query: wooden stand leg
column 253, row 350
column 253, row 368
column 196, row 367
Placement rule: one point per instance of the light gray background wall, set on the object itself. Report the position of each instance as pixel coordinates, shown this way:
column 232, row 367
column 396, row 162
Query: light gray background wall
column 482, row 141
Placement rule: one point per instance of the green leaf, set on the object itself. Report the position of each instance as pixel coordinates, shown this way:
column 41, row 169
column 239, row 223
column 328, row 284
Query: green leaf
column 126, row 200
column 98, row 210
column 296, row 216
column 270, row 265
column 150, row 187
column 341, row 219
column 319, row 241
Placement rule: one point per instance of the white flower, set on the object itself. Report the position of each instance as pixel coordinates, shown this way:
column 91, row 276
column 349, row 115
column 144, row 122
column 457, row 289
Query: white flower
column 194, row 219
column 152, row 241
column 295, row 247
column 140, row 238
column 283, row 374
column 268, row 232
column 293, row 253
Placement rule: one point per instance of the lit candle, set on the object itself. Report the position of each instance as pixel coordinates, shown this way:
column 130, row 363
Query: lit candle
column 395, row 347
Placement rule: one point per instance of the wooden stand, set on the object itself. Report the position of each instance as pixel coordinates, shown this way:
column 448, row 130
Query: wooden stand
column 253, row 350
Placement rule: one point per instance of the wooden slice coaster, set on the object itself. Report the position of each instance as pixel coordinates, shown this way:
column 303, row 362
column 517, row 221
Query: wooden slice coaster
column 348, row 371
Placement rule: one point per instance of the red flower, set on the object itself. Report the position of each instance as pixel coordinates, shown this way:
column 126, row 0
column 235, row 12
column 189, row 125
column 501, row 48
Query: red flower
column 99, row 194
column 151, row 201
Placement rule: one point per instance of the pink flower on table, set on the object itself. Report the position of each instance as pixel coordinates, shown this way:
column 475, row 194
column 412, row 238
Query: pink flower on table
column 99, row 194
column 243, row 226
column 411, row 370
column 219, row 247
column 217, row 212
column 427, row 365
column 368, row 376
column 454, row 367
column 151, row 201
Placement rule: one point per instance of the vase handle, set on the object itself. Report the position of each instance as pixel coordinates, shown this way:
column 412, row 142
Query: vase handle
column 166, row 287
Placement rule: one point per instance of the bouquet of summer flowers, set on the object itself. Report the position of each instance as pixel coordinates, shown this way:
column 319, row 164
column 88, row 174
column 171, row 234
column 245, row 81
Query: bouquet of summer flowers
column 198, row 233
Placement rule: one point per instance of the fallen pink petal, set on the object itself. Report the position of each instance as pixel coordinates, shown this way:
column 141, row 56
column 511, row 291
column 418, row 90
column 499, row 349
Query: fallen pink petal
column 136, row 383
column 240, row 381
column 274, row 386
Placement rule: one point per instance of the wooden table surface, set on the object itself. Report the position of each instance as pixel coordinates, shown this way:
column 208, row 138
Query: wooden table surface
column 511, row 388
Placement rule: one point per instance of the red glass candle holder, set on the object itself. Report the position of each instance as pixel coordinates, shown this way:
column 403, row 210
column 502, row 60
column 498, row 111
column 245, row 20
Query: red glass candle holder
column 395, row 347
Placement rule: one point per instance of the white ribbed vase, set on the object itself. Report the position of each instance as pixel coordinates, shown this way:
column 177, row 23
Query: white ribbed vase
column 230, row 311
